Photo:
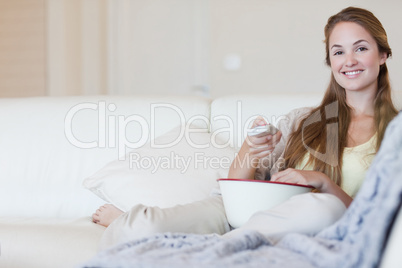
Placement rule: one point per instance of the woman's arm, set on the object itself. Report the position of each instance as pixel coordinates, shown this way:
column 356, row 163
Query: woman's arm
column 253, row 149
column 317, row 179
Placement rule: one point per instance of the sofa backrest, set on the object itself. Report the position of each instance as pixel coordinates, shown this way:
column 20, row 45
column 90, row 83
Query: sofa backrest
column 49, row 145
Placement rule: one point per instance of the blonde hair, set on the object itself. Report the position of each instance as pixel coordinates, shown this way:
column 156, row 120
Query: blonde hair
column 314, row 135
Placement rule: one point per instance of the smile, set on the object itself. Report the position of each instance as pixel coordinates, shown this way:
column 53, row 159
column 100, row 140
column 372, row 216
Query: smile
column 353, row 72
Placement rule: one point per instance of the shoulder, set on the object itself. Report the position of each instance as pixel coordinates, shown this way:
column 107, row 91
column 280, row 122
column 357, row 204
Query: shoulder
column 300, row 113
column 291, row 120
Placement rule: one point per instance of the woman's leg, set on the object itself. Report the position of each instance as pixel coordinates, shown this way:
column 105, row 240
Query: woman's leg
column 202, row 217
column 305, row 213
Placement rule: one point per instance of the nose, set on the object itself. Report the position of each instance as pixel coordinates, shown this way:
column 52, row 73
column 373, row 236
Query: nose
column 350, row 60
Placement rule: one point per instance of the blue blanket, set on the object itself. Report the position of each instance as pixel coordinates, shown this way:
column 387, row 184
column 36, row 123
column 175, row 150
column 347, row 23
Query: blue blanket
column 356, row 240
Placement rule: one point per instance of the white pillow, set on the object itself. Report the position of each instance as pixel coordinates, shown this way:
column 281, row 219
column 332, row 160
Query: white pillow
column 182, row 173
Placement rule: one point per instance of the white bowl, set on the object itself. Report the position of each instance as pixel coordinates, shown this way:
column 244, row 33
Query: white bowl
column 243, row 198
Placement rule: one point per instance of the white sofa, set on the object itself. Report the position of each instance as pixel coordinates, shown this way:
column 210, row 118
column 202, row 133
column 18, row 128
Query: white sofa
column 49, row 145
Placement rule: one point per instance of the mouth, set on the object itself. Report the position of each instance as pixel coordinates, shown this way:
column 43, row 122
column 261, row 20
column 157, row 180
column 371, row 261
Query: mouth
column 353, row 73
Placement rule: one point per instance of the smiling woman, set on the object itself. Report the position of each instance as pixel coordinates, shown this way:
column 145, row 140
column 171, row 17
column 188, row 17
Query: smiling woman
column 318, row 145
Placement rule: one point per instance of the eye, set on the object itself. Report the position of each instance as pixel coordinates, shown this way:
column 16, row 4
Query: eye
column 361, row 49
column 336, row 53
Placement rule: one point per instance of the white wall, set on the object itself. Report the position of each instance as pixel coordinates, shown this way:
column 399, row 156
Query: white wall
column 180, row 46
column 76, row 47
column 152, row 46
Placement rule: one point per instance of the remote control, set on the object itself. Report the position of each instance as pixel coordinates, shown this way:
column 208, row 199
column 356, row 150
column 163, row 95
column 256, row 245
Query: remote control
column 262, row 130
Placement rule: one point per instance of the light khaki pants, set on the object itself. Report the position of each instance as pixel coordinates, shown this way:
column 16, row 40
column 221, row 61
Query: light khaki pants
column 306, row 213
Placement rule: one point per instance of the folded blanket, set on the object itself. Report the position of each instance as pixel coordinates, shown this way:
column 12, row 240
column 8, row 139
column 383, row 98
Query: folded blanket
column 356, row 240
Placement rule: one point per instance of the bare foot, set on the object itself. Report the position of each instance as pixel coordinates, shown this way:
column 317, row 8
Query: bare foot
column 106, row 214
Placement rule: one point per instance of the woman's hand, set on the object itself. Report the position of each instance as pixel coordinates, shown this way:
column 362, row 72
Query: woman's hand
column 260, row 146
column 316, row 179
column 253, row 149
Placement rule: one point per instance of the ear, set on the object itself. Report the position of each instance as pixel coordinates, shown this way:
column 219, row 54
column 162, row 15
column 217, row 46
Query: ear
column 383, row 57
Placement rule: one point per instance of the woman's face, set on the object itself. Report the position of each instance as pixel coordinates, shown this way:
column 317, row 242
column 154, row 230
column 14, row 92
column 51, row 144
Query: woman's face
column 355, row 59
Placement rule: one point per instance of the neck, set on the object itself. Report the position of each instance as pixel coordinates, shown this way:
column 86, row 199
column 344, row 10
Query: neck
column 362, row 103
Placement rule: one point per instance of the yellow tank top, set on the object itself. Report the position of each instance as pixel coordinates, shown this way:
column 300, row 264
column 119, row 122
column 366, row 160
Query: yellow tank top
column 356, row 161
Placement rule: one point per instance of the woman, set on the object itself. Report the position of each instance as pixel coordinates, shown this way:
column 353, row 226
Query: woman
column 329, row 147
column 357, row 107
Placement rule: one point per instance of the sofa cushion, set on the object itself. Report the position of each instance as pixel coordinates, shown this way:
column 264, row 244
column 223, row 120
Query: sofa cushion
column 39, row 243
column 180, row 167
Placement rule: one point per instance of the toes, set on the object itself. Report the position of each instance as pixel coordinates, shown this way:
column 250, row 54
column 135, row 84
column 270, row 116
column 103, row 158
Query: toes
column 95, row 218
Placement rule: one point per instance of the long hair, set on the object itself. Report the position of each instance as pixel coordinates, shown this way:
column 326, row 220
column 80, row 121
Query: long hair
column 324, row 131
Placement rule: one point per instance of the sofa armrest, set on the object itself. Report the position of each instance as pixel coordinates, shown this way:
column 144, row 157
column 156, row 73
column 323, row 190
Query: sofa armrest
column 392, row 257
